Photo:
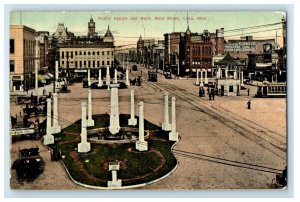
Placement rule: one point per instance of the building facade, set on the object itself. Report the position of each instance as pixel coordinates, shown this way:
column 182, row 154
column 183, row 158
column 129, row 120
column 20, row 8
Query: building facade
column 22, row 57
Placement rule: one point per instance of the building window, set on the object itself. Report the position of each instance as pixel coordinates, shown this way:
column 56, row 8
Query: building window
column 93, row 63
column 231, row 89
column 89, row 64
column 84, row 53
column 75, row 52
column 107, row 63
column 12, row 46
column 93, row 52
column 62, row 55
column 98, row 63
column 76, row 63
column 89, row 53
column 79, row 52
column 12, row 65
column 102, row 52
column 102, row 62
column 80, row 62
column 84, row 63
column 62, row 62
column 98, row 53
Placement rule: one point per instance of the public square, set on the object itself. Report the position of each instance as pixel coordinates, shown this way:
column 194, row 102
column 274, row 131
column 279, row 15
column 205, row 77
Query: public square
column 223, row 145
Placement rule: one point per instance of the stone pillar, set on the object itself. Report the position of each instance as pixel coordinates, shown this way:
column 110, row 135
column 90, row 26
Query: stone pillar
column 114, row 122
column 127, row 77
column 173, row 135
column 201, row 78
column 48, row 138
column 55, row 128
column 116, row 76
column 197, row 74
column 90, row 121
column 83, row 146
column 206, row 79
column 100, row 83
column 242, row 78
column 114, row 167
column 89, row 78
column 36, row 65
column 107, row 82
column 166, row 126
column 132, row 121
column 57, row 83
column 141, row 144
column 226, row 72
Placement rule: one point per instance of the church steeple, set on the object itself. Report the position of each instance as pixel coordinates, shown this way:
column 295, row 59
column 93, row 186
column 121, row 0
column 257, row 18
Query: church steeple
column 108, row 37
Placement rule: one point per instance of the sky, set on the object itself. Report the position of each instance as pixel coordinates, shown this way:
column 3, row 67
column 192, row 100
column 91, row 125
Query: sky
column 127, row 26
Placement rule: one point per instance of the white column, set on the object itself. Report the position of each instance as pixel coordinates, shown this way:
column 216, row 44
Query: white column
column 206, row 79
column 127, row 77
column 90, row 121
column 83, row 146
column 226, row 72
column 89, row 78
column 100, row 83
column 116, row 78
column 36, row 65
column 114, row 122
column 242, row 78
column 235, row 74
column 48, row 138
column 57, row 84
column 132, row 121
column 107, row 76
column 141, row 144
column 55, row 128
column 166, row 126
column 201, row 78
column 173, row 135
column 197, row 76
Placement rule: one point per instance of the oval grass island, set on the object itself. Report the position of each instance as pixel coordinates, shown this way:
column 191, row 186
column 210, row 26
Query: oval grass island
column 135, row 168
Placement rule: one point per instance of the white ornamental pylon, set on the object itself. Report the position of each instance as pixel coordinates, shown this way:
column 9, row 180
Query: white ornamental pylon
column 107, row 81
column 173, row 135
column 132, row 121
column 206, row 79
column 166, row 126
column 127, row 77
column 48, row 138
column 83, row 146
column 116, row 76
column 55, row 128
column 201, row 78
column 100, row 83
column 197, row 76
column 141, row 144
column 114, row 119
column 90, row 121
column 89, row 78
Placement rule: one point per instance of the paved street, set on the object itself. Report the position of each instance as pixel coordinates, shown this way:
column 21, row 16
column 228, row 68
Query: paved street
column 223, row 144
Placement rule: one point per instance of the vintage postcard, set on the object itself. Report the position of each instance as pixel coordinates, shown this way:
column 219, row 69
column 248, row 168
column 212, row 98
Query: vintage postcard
column 173, row 100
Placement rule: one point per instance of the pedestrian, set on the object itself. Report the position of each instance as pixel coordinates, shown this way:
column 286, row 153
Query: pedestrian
column 209, row 96
column 248, row 91
column 213, row 93
column 249, row 104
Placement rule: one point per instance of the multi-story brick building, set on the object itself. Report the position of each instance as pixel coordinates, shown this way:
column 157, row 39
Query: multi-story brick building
column 22, row 56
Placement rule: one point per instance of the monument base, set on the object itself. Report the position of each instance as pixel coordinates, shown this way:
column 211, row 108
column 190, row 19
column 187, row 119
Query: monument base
column 166, row 127
column 205, row 82
column 113, row 184
column 90, row 123
column 141, row 146
column 48, row 139
column 132, row 122
column 114, row 130
column 55, row 129
column 197, row 83
column 173, row 136
column 84, row 147
column 100, row 84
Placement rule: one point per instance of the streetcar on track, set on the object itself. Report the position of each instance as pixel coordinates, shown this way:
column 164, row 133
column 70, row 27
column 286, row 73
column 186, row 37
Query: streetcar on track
column 271, row 90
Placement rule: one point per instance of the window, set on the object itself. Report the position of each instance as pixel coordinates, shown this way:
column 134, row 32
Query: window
column 98, row 53
column 76, row 63
column 93, row 52
column 62, row 55
column 12, row 65
column 62, row 62
column 93, row 63
column 107, row 63
column 12, row 46
column 102, row 52
column 98, row 63
column 75, row 52
column 89, row 53
column 230, row 88
column 89, row 64
column 102, row 62
column 84, row 53
column 107, row 52
column 80, row 64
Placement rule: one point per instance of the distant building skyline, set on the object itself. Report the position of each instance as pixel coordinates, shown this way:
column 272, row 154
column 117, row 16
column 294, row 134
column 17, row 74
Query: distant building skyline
column 127, row 26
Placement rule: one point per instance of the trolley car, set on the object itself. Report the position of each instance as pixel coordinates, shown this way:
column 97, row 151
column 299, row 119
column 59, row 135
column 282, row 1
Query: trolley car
column 152, row 76
column 271, row 90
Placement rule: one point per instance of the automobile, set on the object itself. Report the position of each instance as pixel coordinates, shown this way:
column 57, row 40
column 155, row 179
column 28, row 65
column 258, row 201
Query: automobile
column 95, row 86
column 134, row 67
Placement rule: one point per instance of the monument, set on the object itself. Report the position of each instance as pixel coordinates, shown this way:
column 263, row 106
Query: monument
column 116, row 76
column 90, row 121
column 114, row 122
column 83, row 146
column 173, row 135
column 55, row 128
column 166, row 126
column 89, row 78
column 132, row 121
column 141, row 144
column 114, row 166
column 48, row 138
column 197, row 76
column 100, row 83
column 127, row 77
column 107, row 81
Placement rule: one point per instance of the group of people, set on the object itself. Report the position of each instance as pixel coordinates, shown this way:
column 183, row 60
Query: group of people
column 211, row 93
